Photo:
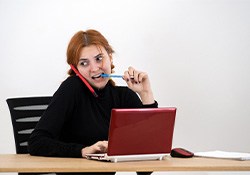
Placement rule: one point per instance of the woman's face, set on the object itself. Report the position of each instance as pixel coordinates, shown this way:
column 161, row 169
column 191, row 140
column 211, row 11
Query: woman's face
column 94, row 60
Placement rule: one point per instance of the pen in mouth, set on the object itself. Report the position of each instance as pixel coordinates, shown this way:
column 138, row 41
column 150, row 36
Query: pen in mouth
column 111, row 76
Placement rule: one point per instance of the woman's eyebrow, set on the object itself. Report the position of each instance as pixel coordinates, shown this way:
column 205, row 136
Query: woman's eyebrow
column 97, row 56
column 83, row 59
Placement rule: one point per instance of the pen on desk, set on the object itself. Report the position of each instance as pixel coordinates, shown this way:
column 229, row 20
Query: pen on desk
column 111, row 76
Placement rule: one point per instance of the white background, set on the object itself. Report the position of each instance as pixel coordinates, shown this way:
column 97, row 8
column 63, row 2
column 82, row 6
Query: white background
column 196, row 53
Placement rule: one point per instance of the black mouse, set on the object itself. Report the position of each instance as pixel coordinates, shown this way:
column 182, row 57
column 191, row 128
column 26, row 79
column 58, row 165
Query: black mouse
column 181, row 152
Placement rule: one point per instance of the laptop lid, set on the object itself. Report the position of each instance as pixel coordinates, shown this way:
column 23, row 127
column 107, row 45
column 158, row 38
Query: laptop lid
column 141, row 131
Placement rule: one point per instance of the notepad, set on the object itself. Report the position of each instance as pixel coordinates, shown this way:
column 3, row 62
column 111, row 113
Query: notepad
column 224, row 155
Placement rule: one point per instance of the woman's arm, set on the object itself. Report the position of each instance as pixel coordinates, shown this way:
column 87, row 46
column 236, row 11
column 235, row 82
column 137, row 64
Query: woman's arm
column 44, row 140
column 139, row 82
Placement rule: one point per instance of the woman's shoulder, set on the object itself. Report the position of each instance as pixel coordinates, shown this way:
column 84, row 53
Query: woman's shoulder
column 71, row 87
column 71, row 83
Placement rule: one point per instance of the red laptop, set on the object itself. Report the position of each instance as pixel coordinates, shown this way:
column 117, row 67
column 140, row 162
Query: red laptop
column 139, row 134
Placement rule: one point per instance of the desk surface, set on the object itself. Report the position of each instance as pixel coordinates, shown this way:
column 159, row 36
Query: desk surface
column 27, row 163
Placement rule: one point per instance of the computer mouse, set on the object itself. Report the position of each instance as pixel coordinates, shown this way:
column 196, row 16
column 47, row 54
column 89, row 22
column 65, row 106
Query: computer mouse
column 181, row 152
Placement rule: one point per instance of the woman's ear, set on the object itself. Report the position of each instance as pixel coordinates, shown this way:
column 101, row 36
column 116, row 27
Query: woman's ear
column 111, row 61
column 111, row 58
column 110, row 55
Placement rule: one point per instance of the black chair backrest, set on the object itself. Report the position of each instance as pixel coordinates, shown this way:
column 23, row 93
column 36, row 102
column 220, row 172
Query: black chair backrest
column 25, row 113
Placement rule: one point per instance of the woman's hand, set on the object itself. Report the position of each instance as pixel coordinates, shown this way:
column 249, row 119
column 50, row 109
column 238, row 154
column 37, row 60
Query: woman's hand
column 98, row 147
column 139, row 82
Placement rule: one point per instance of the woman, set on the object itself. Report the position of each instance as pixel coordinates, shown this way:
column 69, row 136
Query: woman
column 76, row 122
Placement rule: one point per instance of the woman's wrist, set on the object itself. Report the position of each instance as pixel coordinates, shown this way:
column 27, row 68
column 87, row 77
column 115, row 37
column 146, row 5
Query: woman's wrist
column 147, row 97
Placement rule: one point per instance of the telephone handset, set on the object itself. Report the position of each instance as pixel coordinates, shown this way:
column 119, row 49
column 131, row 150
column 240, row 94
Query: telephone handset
column 84, row 80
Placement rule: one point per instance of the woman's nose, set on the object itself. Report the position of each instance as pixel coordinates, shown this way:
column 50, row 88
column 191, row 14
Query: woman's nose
column 94, row 67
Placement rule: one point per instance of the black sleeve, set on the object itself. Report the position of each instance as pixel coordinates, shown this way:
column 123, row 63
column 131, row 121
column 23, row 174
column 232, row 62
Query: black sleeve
column 153, row 105
column 44, row 140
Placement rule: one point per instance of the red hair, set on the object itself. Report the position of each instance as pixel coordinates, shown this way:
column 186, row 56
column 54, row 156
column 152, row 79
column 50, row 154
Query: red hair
column 83, row 39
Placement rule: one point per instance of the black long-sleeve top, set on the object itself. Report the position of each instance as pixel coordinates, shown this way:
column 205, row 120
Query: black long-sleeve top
column 75, row 118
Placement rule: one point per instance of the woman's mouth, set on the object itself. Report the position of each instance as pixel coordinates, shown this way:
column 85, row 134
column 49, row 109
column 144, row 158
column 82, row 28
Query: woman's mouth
column 96, row 76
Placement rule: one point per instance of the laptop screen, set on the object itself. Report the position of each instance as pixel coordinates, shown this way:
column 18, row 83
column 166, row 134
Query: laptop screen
column 141, row 131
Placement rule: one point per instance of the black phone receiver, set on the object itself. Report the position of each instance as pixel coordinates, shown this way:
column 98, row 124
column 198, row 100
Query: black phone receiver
column 84, row 80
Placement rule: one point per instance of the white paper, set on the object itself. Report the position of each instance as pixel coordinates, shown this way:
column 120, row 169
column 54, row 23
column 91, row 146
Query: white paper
column 224, row 155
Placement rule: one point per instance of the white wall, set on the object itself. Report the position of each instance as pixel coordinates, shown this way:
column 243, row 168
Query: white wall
column 195, row 51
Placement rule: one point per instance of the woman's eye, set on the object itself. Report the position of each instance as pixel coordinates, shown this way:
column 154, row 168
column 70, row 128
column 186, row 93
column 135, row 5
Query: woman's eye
column 84, row 63
column 99, row 58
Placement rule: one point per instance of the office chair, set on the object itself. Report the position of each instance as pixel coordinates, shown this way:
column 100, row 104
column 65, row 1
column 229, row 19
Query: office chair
column 25, row 113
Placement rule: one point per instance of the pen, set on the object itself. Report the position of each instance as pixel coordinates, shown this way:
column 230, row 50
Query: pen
column 111, row 76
